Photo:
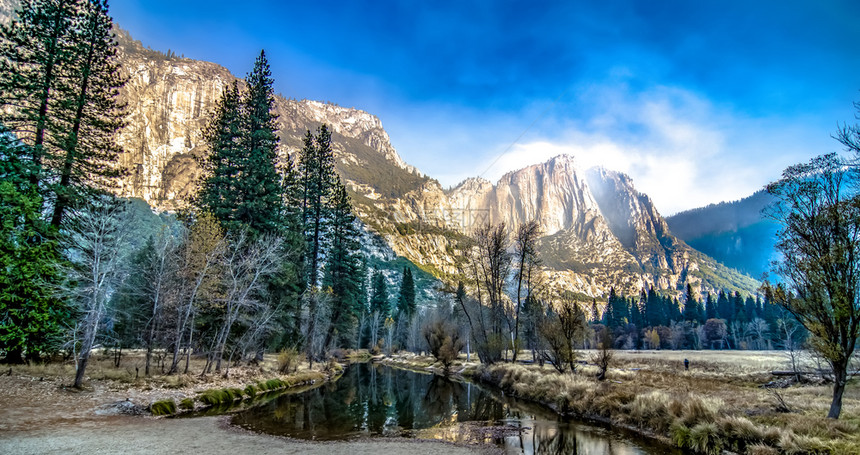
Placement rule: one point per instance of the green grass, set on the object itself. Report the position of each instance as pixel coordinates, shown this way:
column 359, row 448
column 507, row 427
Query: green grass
column 163, row 407
column 187, row 404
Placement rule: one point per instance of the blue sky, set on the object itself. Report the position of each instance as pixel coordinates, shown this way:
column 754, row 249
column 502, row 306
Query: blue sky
column 698, row 101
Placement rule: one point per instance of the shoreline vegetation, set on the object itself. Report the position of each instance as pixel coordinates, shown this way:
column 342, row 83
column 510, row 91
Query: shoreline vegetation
column 124, row 390
column 720, row 404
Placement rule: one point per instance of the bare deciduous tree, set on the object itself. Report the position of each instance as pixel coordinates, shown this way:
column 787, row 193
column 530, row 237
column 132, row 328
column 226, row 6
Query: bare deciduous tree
column 246, row 265
column 93, row 244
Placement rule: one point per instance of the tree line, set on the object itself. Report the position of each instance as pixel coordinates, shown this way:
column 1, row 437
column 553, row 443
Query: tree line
column 266, row 257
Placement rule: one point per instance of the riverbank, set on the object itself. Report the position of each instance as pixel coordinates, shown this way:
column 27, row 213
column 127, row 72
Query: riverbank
column 210, row 435
column 40, row 395
column 40, row 413
column 719, row 404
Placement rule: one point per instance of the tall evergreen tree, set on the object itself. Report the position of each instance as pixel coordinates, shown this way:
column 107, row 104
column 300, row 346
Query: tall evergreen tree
column 31, row 317
column 654, row 309
column 89, row 151
column 738, row 310
column 691, row 305
column 710, row 307
column 36, row 49
column 343, row 265
column 609, row 316
column 724, row 307
column 316, row 166
column 59, row 84
column 406, row 299
column 218, row 191
column 260, row 183
column 379, row 295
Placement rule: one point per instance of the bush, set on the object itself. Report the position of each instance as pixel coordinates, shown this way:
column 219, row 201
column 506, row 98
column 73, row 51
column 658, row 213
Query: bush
column 288, row 361
column 444, row 342
column 163, row 407
column 705, row 438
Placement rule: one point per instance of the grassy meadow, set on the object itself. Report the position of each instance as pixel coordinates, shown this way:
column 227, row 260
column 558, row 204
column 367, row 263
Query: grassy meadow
column 720, row 403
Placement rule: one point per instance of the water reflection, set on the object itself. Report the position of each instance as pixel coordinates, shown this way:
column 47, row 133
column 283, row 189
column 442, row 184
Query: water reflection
column 372, row 400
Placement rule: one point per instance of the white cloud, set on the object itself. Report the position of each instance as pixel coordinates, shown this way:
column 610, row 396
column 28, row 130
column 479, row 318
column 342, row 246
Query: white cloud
column 679, row 149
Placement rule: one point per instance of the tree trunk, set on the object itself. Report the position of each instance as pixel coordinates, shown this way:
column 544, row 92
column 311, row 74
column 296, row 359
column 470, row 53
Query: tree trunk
column 84, row 356
column 840, row 376
column 14, row 357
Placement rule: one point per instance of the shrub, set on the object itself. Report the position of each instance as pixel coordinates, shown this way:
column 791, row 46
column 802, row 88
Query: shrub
column 680, row 434
column 651, row 409
column 288, row 361
column 705, row 438
column 740, row 432
column 695, row 410
column 444, row 341
column 234, row 393
column 163, row 407
column 275, row 384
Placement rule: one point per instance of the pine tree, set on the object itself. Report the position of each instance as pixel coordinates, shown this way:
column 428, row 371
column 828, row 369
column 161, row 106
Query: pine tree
column 88, row 156
column 654, row 309
column 59, row 83
column 260, row 184
column 343, row 266
column 35, row 51
column 710, row 307
column 724, row 307
column 316, row 166
column 221, row 168
column 609, row 313
column 738, row 310
column 691, row 305
column 379, row 295
column 406, row 299
column 32, row 317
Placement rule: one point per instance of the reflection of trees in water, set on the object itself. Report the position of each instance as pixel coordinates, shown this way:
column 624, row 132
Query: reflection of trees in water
column 548, row 439
column 485, row 407
column 439, row 401
column 370, row 399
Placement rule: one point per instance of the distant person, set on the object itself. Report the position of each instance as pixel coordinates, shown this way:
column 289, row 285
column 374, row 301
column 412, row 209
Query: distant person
column 687, row 364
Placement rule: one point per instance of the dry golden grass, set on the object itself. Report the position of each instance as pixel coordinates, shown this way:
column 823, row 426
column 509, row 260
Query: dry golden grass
column 129, row 379
column 718, row 404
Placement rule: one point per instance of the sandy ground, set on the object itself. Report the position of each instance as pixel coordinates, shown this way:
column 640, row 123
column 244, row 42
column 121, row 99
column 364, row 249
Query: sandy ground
column 43, row 417
column 210, row 435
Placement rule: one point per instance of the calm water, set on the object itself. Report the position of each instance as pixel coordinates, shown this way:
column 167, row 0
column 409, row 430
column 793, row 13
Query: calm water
column 374, row 400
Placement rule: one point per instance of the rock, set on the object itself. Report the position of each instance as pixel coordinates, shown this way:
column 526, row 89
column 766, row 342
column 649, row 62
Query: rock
column 125, row 407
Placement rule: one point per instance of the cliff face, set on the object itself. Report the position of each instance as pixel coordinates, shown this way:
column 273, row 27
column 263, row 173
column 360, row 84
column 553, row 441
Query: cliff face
column 170, row 101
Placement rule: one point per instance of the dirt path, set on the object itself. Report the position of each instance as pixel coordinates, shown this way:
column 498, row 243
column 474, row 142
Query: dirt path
column 42, row 417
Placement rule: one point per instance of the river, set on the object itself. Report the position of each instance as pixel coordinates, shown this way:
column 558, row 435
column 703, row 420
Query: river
column 372, row 400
